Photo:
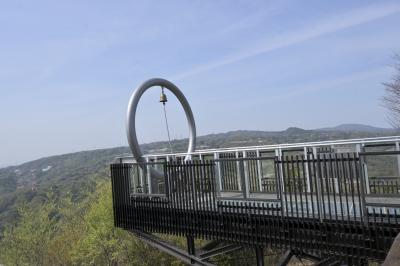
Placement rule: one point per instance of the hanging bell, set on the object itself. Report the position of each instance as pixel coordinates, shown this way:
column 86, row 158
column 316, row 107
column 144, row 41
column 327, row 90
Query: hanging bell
column 163, row 97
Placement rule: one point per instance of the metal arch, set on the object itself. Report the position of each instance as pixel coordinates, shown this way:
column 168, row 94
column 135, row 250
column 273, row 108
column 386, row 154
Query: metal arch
column 131, row 119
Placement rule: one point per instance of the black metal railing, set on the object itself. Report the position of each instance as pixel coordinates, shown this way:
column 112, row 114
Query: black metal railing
column 384, row 186
column 327, row 186
column 313, row 203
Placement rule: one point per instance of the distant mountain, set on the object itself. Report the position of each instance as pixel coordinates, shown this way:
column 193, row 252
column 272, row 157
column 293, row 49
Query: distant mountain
column 75, row 173
column 358, row 128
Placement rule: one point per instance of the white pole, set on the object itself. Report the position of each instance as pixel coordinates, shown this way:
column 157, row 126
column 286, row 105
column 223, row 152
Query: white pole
column 307, row 173
column 238, row 171
column 246, row 176
column 219, row 175
column 259, row 170
column 398, row 157
column 148, row 175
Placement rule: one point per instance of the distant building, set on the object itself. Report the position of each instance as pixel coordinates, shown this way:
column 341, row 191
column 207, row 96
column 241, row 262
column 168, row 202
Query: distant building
column 47, row 168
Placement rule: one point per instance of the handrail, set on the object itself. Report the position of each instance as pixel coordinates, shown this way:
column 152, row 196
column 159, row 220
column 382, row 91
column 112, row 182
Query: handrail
column 272, row 147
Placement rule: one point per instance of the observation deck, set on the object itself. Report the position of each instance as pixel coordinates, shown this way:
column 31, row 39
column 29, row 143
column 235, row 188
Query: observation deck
column 331, row 199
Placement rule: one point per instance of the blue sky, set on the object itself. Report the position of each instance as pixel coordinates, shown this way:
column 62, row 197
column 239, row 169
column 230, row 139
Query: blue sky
column 68, row 68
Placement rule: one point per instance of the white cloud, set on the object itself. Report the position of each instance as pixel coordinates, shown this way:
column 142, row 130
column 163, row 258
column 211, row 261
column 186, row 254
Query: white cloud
column 317, row 29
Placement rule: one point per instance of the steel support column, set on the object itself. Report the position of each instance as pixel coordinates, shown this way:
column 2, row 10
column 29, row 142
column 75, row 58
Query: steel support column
column 259, row 256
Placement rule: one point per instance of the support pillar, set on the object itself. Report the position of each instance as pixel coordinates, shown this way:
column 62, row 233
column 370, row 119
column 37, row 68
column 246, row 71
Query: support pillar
column 191, row 247
column 259, row 256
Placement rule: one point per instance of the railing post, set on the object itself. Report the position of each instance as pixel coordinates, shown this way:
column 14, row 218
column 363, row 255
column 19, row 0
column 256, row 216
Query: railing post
column 238, row 171
column 241, row 180
column 141, row 173
column 245, row 175
column 306, row 171
column 278, row 153
column 318, row 180
column 148, row 175
column 364, row 184
column 398, row 157
column 259, row 170
column 218, row 175
column 364, row 168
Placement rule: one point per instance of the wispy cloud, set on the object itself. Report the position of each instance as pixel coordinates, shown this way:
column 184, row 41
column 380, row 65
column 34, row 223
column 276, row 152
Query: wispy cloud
column 332, row 24
column 273, row 9
column 327, row 84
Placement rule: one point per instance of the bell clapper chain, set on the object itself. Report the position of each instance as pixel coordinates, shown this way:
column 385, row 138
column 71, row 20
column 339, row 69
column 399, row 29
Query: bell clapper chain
column 163, row 100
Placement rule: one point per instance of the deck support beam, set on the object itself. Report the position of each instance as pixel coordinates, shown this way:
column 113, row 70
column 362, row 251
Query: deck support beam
column 286, row 257
column 219, row 251
column 170, row 249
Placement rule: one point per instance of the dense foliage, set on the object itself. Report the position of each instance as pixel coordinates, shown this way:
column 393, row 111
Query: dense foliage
column 58, row 210
column 60, row 232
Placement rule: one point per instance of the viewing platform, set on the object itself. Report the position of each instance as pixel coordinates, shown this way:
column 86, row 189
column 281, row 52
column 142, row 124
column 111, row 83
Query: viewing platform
column 337, row 198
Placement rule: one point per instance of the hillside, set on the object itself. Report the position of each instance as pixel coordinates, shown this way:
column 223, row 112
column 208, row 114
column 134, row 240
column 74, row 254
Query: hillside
column 75, row 173
column 358, row 128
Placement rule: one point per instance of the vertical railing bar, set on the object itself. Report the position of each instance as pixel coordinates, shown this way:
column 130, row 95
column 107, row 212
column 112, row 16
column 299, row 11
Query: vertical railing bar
column 245, row 175
column 307, row 174
column 190, row 207
column 124, row 188
column 332, row 177
column 254, row 187
column 132, row 200
column 201, row 177
column 285, row 191
column 176, row 202
column 320, row 185
column 327, row 185
column 294, row 184
column 289, row 163
column 218, row 175
column 196, row 185
column 360, row 187
column 234, row 174
column 150, row 191
column 317, row 184
column 238, row 174
column 227, row 173
column 207, row 205
column 345, row 185
column 209, row 185
column 308, row 190
column 300, row 192
column 112, row 173
column 311, row 183
column 338, row 172
column 231, row 173
column 352, row 184
column 259, row 170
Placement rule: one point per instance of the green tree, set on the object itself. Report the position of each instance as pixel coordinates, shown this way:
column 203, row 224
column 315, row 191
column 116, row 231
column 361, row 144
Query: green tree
column 103, row 244
column 27, row 242
column 59, row 231
column 391, row 99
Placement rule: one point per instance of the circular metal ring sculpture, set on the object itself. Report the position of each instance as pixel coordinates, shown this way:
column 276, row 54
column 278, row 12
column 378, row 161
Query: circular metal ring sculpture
column 131, row 120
